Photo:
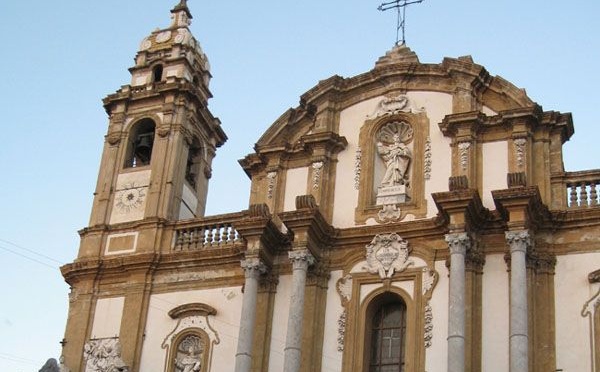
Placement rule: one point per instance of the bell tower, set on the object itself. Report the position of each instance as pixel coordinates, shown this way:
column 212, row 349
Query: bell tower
column 161, row 137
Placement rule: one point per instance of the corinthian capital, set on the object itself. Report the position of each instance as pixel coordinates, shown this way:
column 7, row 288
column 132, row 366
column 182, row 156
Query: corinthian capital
column 253, row 267
column 301, row 259
column 518, row 240
column 458, row 243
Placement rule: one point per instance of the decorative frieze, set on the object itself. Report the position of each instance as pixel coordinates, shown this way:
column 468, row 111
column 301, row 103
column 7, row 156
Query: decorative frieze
column 271, row 177
column 357, row 165
column 520, row 151
column 428, row 337
column 317, row 167
column 427, row 159
column 387, row 254
column 104, row 355
column 463, row 150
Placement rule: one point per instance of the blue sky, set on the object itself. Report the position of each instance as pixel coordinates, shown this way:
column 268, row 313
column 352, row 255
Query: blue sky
column 60, row 58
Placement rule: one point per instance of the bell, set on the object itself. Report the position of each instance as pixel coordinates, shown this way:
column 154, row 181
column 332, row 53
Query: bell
column 143, row 148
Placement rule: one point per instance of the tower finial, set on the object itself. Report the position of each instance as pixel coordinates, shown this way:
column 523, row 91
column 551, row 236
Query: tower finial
column 400, row 6
column 181, row 14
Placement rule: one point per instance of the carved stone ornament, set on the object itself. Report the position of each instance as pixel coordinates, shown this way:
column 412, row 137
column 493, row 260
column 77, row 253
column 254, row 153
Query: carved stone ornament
column 271, row 176
column 463, row 149
column 344, row 289
column 393, row 104
column 341, row 331
column 163, row 131
column 317, row 167
column 253, row 267
column 163, row 36
column 103, row 355
column 129, row 198
column 518, row 240
column 357, row 167
column 428, row 280
column 389, row 213
column 520, row 151
column 146, row 44
column 428, row 325
column 113, row 138
column 301, row 259
column 386, row 254
column 427, row 160
column 590, row 310
column 201, row 325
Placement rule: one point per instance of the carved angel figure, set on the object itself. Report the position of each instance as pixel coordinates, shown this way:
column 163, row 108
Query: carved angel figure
column 397, row 158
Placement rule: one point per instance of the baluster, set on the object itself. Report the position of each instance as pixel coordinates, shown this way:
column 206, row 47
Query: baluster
column 583, row 197
column 213, row 235
column 572, row 195
column 186, row 239
column 593, row 194
column 229, row 228
column 205, row 236
column 195, row 238
column 222, row 234
column 179, row 240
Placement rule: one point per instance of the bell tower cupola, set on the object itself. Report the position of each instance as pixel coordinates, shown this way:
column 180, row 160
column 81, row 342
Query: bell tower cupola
column 161, row 137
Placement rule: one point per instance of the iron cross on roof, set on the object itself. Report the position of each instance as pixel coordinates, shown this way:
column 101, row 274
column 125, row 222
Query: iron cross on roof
column 400, row 6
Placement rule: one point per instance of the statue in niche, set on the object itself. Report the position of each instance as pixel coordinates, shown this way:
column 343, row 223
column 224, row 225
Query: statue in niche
column 397, row 158
column 392, row 147
column 189, row 354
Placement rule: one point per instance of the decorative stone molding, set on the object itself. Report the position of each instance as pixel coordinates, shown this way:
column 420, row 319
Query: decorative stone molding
column 518, row 240
column 590, row 310
column 386, row 254
column 192, row 309
column 301, row 259
column 341, row 330
column 271, row 176
column 389, row 213
column 306, row 202
column 428, row 314
column 541, row 262
column 427, row 159
column 357, row 162
column 344, row 289
column 104, row 355
column 317, row 167
column 458, row 183
column 394, row 104
column 520, row 151
column 113, row 138
column 517, row 179
column 428, row 280
column 463, row 150
column 253, row 267
column 458, row 243
column 164, row 131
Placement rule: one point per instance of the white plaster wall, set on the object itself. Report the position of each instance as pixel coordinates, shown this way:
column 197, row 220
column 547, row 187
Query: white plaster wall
column 107, row 317
column 495, row 314
column 495, row 168
column 281, row 308
column 332, row 358
column 572, row 290
column 295, row 185
column 436, row 106
column 138, row 180
column 228, row 303
column 436, row 356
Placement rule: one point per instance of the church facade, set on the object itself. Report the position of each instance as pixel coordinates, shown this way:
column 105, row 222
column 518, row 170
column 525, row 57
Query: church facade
column 417, row 217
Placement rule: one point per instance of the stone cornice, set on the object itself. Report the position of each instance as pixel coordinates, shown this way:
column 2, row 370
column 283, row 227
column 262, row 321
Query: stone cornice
column 309, row 227
column 462, row 209
column 192, row 309
column 522, row 208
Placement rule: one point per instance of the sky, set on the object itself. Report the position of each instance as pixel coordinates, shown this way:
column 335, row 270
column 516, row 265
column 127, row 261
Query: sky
column 60, row 58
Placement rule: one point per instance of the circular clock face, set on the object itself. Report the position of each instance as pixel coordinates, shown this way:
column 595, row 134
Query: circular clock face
column 130, row 199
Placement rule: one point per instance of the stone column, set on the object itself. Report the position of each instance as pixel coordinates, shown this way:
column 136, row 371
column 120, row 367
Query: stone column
column 253, row 267
column 301, row 260
column 458, row 244
column 518, row 241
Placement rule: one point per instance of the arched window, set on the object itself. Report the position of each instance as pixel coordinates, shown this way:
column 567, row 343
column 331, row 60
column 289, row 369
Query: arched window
column 141, row 141
column 157, row 73
column 386, row 334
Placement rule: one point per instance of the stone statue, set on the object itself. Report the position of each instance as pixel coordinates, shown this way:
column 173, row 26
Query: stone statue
column 104, row 355
column 190, row 362
column 397, row 158
column 50, row 366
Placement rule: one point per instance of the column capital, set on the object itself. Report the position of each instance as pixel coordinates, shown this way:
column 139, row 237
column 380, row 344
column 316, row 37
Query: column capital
column 301, row 259
column 518, row 240
column 458, row 243
column 253, row 267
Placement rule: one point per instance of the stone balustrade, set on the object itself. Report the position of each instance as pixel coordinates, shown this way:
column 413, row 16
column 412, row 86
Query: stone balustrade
column 206, row 233
column 583, row 188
